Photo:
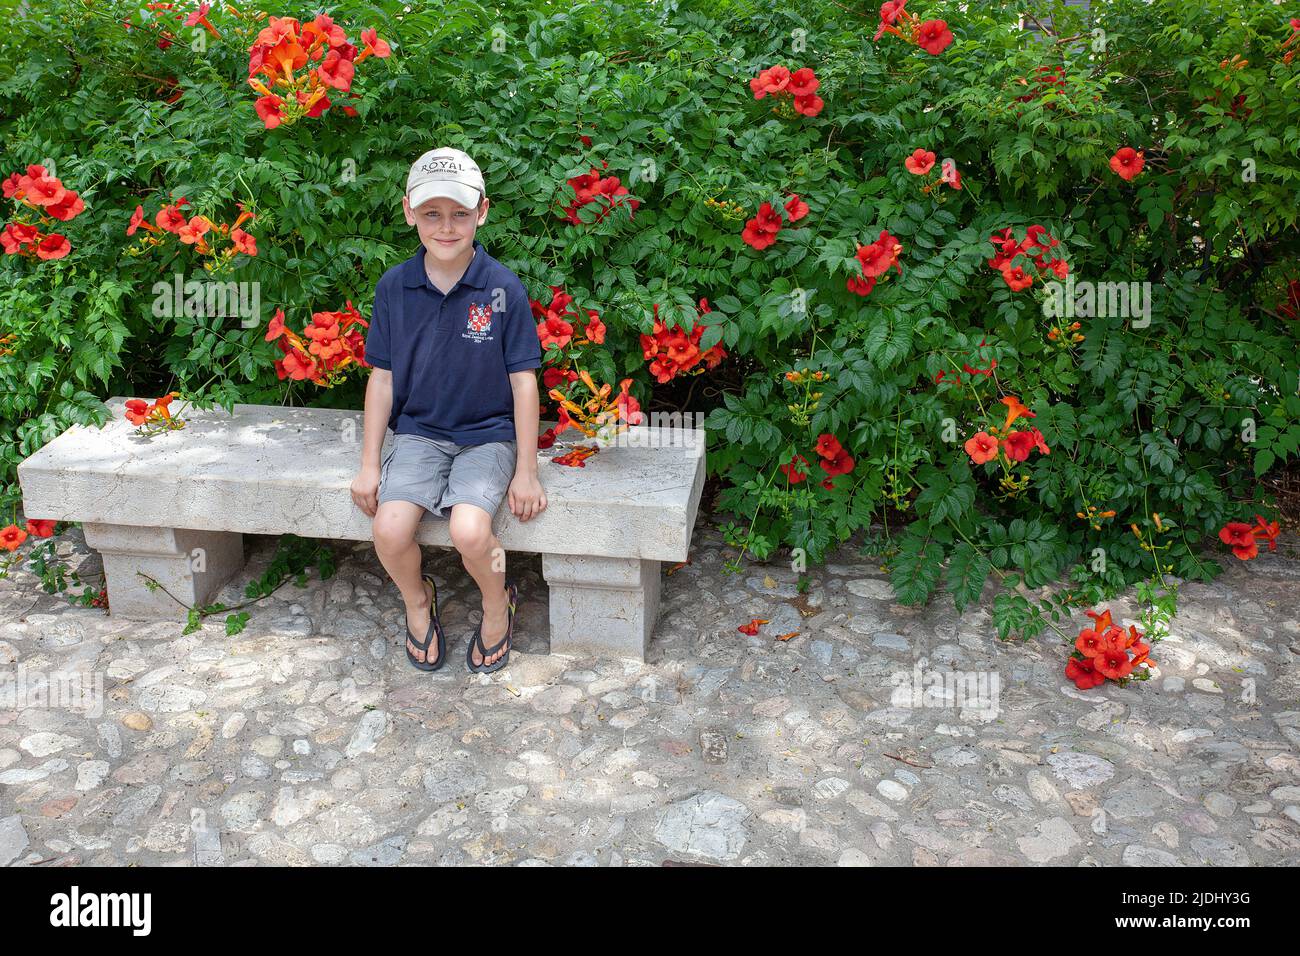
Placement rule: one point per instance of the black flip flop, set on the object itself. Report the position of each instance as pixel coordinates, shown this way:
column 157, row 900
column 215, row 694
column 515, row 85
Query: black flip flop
column 512, row 590
column 435, row 627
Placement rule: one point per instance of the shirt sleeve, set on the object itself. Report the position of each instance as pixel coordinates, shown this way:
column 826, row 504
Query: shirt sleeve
column 377, row 351
column 523, row 349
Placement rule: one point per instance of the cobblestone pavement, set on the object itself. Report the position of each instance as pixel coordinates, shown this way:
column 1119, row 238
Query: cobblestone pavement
column 309, row 739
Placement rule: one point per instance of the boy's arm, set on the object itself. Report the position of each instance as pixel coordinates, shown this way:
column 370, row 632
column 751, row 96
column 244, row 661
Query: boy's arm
column 527, row 412
column 379, row 405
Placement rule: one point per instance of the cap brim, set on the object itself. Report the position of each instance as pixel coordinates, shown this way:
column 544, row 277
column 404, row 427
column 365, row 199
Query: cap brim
column 467, row 196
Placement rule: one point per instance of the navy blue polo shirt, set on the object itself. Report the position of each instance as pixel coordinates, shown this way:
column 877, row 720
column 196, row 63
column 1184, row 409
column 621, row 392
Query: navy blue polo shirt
column 451, row 355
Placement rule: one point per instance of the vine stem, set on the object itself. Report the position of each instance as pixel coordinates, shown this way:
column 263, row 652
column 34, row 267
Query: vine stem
column 234, row 607
column 1003, row 575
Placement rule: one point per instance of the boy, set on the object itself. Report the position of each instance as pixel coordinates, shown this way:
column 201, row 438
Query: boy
column 453, row 345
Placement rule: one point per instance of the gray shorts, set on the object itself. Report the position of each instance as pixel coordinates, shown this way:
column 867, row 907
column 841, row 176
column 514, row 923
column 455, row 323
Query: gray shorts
column 437, row 474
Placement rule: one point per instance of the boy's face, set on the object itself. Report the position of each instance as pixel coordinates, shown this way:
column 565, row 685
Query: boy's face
column 446, row 228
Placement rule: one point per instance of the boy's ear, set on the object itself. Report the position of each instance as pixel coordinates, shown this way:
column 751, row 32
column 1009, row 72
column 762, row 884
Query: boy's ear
column 406, row 211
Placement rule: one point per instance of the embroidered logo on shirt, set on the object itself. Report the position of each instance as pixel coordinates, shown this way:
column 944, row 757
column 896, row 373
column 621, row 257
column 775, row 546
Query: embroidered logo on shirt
column 480, row 322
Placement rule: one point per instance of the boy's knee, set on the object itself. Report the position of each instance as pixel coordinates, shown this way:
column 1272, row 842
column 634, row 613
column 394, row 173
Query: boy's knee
column 390, row 532
column 472, row 535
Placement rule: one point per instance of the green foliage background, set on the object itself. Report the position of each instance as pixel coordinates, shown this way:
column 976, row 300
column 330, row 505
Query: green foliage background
column 1138, row 420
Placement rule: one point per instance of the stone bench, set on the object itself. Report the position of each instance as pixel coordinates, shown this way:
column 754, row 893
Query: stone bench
column 175, row 506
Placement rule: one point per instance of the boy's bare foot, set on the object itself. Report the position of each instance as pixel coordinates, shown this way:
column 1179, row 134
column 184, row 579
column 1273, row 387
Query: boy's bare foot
column 496, row 618
column 418, row 618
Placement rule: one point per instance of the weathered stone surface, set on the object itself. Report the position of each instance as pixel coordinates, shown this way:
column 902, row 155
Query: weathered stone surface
column 308, row 749
column 1054, row 838
column 13, row 839
column 708, row 824
column 1081, row 770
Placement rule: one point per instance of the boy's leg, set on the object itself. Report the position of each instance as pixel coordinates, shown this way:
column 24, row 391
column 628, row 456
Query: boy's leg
column 485, row 560
column 394, row 531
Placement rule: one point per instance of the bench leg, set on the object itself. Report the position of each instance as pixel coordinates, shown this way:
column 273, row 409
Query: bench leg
column 602, row 606
column 192, row 565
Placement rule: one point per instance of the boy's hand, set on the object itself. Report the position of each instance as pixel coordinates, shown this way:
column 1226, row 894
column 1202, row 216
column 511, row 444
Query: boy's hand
column 365, row 489
column 526, row 496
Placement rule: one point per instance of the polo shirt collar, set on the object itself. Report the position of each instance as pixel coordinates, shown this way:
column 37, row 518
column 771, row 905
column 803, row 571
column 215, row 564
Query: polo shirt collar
column 475, row 275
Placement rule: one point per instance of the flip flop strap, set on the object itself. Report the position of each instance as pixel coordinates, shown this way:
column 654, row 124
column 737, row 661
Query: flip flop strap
column 434, row 626
column 510, row 627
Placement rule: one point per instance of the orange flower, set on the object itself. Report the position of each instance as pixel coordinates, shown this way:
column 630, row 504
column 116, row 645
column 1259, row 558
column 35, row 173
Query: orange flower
column 53, row 246
column 793, row 470
column 192, row 232
column 554, row 331
column 841, row 463
column 1113, row 662
column 161, row 404
column 982, row 447
column 275, row 328
column 269, row 111
column 1014, row 410
column 372, row 46
column 336, row 71
column 171, row 219
column 752, row 627
column 828, row 446
column 137, row 221
column 324, row 335
column 295, row 366
column 200, row 16
column 628, row 407
column 1084, row 675
column 11, row 537
column 285, row 57
column 1240, row 537
column 243, row 242
column 41, row 527
column 137, row 411
column 1266, row 531
column 69, row 208
column 920, row 162
column 1018, row 445
column 577, row 457
column 1127, row 163
column 1102, row 621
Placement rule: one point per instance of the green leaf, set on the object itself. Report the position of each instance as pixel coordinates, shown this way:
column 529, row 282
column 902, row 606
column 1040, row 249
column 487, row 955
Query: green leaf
column 915, row 570
column 967, row 572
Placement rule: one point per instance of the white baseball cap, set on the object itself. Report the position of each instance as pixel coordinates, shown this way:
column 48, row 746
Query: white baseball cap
column 445, row 172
